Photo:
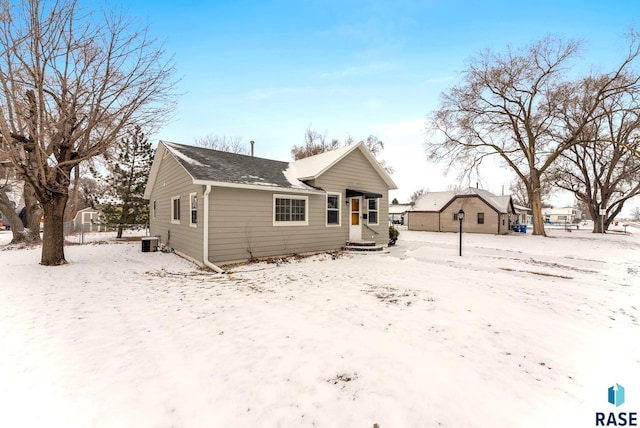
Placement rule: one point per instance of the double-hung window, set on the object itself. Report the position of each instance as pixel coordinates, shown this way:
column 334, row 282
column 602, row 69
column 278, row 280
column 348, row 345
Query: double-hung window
column 290, row 210
column 333, row 209
column 175, row 210
column 193, row 201
column 372, row 206
column 480, row 218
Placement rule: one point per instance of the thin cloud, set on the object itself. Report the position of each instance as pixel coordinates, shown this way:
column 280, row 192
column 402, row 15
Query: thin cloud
column 358, row 70
column 263, row 94
column 443, row 79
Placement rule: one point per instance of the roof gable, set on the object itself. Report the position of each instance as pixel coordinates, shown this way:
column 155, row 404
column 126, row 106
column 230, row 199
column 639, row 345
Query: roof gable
column 312, row 167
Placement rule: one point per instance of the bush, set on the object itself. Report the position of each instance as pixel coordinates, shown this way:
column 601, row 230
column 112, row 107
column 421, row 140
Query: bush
column 393, row 235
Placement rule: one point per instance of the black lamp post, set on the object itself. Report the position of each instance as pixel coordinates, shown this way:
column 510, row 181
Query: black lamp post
column 460, row 218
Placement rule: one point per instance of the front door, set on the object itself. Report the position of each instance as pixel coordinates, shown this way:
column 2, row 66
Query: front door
column 355, row 222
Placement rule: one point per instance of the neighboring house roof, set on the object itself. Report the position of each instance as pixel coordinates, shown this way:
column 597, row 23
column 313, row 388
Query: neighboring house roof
column 433, row 201
column 214, row 167
column 399, row 208
column 437, row 201
column 558, row 211
column 499, row 203
column 521, row 208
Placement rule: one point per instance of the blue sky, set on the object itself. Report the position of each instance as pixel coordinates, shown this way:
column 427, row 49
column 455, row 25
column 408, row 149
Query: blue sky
column 267, row 70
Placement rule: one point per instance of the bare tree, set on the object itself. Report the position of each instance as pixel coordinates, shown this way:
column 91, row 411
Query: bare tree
column 71, row 81
column 603, row 170
column 316, row 143
column 223, row 143
column 29, row 233
column 418, row 194
column 513, row 105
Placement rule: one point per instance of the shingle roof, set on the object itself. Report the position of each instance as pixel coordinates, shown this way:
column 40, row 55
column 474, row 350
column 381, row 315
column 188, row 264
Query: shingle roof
column 500, row 203
column 224, row 167
column 218, row 168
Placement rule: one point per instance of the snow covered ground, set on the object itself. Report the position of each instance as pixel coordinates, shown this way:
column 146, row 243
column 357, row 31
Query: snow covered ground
column 520, row 331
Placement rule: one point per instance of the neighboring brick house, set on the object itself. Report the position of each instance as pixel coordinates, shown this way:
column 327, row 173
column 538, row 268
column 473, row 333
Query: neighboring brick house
column 484, row 212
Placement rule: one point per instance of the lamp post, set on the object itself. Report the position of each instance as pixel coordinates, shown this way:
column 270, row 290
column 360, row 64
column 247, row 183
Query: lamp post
column 460, row 218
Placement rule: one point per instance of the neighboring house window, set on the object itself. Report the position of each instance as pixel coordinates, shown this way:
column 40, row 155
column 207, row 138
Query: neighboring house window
column 333, row 209
column 373, row 211
column 193, row 198
column 455, row 216
column 154, row 209
column 480, row 218
column 175, row 210
column 290, row 210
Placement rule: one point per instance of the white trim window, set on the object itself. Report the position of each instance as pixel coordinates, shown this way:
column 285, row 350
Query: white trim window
column 372, row 207
column 175, row 210
column 193, row 204
column 333, row 209
column 290, row 210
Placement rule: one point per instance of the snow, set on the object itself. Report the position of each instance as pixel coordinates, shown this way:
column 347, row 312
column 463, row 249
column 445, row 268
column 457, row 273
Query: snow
column 175, row 150
column 520, row 331
column 312, row 166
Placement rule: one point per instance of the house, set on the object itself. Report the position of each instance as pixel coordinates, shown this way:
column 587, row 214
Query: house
column 523, row 214
column 397, row 212
column 567, row 215
column 216, row 207
column 88, row 220
column 484, row 212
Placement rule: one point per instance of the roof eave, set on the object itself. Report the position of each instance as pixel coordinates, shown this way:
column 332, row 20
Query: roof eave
column 258, row 187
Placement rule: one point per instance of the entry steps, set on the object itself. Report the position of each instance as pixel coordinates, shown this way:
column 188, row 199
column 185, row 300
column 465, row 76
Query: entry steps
column 362, row 247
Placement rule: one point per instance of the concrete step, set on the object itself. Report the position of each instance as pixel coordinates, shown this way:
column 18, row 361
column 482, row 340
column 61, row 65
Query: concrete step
column 362, row 247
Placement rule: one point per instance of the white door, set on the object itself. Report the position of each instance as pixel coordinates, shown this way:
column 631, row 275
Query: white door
column 355, row 219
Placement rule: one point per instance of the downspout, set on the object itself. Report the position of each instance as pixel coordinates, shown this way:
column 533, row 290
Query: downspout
column 205, row 238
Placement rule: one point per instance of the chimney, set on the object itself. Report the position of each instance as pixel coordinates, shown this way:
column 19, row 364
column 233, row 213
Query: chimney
column 252, row 143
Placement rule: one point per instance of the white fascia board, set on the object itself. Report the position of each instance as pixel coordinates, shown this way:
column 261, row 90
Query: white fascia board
column 258, row 187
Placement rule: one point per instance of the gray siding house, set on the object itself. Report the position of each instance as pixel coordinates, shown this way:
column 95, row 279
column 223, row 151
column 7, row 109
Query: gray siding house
column 216, row 207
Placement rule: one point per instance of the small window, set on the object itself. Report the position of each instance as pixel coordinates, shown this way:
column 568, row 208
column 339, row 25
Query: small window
column 289, row 210
column 154, row 209
column 480, row 218
column 333, row 209
column 455, row 216
column 193, row 198
column 373, row 211
column 175, row 210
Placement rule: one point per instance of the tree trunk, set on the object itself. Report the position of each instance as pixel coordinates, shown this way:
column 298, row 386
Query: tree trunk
column 53, row 237
column 15, row 222
column 597, row 223
column 536, row 203
column 34, row 213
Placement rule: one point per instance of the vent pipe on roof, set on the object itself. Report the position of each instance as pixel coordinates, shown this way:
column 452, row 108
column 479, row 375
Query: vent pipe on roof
column 252, row 143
